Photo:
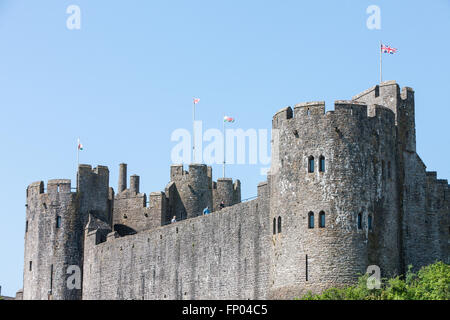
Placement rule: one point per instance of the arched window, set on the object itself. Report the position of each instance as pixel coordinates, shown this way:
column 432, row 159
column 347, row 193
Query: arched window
column 311, row 164
column 58, row 221
column 322, row 219
column 26, row 226
column 359, row 221
column 308, row 112
column 274, row 225
column 322, row 164
column 311, row 220
column 382, row 169
column 279, row 224
column 369, row 222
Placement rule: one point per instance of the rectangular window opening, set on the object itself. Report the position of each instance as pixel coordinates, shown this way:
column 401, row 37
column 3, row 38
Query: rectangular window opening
column 322, row 164
column 306, row 268
column 311, row 165
column 322, row 220
column 51, row 278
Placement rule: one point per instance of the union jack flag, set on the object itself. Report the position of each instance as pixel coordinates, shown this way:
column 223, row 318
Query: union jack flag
column 388, row 49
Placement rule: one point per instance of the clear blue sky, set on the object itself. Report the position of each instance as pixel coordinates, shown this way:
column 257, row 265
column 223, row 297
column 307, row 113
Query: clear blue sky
column 126, row 79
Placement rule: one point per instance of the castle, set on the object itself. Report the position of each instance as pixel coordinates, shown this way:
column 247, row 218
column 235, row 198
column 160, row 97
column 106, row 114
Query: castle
column 346, row 190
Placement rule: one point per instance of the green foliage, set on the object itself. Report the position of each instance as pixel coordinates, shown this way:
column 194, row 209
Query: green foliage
column 429, row 283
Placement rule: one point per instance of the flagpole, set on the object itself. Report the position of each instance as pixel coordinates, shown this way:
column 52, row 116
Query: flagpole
column 193, row 132
column 78, row 160
column 381, row 62
column 224, row 140
column 78, row 153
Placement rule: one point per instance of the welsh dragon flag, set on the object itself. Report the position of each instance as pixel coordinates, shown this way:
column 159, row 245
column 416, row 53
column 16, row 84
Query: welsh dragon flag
column 228, row 119
column 80, row 146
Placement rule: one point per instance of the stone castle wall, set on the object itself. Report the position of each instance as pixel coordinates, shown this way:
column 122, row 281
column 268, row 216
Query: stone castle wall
column 423, row 218
column 426, row 215
column 218, row 256
column 355, row 147
column 187, row 194
column 260, row 249
column 54, row 236
column 50, row 241
column 130, row 206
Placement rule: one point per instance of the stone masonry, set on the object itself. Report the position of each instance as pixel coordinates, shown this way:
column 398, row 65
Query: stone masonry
column 346, row 190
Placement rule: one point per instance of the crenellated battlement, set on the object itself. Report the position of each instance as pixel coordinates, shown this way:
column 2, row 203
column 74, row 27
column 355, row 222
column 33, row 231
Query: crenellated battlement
column 54, row 186
column 350, row 112
column 95, row 228
column 59, row 185
column 407, row 93
column 378, row 90
column 401, row 102
column 350, row 108
column 130, row 208
column 431, row 175
column 224, row 190
column 309, row 109
column 87, row 169
column 346, row 189
column 194, row 171
column 35, row 188
column 386, row 89
column 281, row 116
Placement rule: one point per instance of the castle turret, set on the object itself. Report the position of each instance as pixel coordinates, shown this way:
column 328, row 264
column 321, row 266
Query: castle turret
column 131, row 210
column 327, row 211
column 54, row 234
column 401, row 102
column 414, row 196
column 51, row 241
column 227, row 191
column 94, row 193
column 190, row 191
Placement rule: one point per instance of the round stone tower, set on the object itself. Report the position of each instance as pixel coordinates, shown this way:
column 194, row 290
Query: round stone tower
column 329, row 211
column 51, row 241
column 193, row 189
column 54, row 232
column 227, row 191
